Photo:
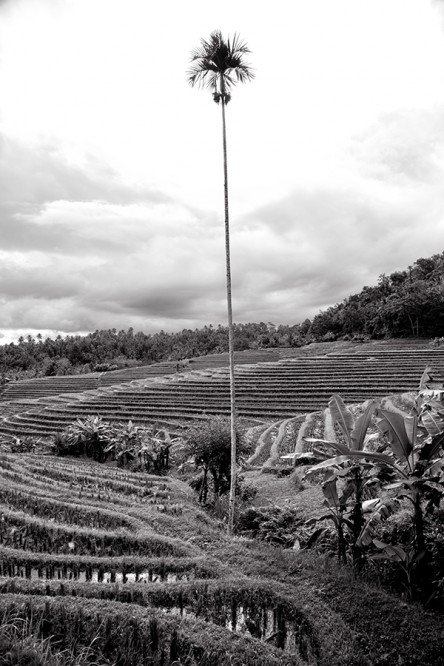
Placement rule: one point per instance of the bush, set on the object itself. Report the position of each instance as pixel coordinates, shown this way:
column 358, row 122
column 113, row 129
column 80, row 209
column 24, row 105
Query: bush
column 276, row 525
column 145, row 449
column 88, row 438
column 397, row 530
column 25, row 444
column 209, row 445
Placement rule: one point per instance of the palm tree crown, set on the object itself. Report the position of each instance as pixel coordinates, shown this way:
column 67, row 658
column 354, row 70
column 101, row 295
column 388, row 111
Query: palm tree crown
column 219, row 64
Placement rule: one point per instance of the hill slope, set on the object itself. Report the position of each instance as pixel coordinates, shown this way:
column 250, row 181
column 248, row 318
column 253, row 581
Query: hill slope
column 130, row 569
column 300, row 381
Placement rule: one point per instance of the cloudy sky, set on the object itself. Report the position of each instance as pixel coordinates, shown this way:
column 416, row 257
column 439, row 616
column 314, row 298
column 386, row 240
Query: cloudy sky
column 111, row 179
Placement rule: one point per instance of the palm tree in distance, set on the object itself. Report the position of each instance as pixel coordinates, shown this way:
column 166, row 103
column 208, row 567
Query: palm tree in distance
column 218, row 64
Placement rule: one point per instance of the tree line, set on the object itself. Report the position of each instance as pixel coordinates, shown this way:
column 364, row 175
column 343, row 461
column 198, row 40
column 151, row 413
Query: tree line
column 112, row 349
column 408, row 303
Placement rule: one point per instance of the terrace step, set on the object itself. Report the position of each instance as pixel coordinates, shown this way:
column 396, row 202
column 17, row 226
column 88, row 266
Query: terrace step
column 267, row 390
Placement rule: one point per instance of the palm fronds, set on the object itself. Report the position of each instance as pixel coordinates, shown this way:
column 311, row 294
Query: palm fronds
column 219, row 61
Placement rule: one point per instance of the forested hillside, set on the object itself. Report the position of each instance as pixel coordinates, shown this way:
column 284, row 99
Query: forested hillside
column 105, row 350
column 408, row 303
column 402, row 304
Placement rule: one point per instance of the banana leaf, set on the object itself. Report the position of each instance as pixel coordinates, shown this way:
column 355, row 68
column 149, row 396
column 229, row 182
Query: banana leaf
column 359, row 431
column 325, row 516
column 330, row 492
column 392, row 425
column 380, row 458
column 411, row 427
column 433, row 422
column 315, row 536
column 340, row 448
column 381, row 512
column 342, row 416
column 395, row 553
column 430, row 449
column 436, row 467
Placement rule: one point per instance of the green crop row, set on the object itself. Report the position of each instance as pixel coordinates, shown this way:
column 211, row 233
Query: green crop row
column 288, row 442
column 264, row 444
column 21, row 563
column 61, row 512
column 89, row 481
column 137, row 638
column 84, row 472
column 262, row 605
column 19, row 530
column 205, row 597
column 76, row 493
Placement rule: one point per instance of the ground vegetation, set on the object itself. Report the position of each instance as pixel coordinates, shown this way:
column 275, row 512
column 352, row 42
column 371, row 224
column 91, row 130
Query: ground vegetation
column 119, row 565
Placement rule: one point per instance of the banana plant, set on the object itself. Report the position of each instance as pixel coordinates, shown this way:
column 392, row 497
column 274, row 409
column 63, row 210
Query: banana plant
column 337, row 507
column 355, row 467
column 149, row 447
column 89, row 436
column 406, row 559
column 355, row 434
column 409, row 461
column 417, row 443
column 125, row 440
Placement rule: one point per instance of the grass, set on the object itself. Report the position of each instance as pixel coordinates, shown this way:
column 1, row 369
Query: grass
column 335, row 625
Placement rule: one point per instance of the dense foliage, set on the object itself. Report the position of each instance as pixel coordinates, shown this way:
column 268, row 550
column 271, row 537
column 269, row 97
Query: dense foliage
column 402, row 304
column 140, row 448
column 407, row 468
column 109, row 350
column 208, row 445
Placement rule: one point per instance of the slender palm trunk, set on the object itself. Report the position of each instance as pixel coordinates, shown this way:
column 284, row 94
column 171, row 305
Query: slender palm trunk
column 231, row 502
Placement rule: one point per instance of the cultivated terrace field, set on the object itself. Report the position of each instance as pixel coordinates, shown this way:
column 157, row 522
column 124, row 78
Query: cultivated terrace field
column 271, row 385
column 104, row 565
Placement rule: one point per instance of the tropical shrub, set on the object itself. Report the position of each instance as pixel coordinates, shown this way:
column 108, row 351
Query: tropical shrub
column 281, row 526
column 146, row 449
column 88, row 437
column 408, row 464
column 25, row 444
column 208, row 445
column 417, row 444
column 346, row 477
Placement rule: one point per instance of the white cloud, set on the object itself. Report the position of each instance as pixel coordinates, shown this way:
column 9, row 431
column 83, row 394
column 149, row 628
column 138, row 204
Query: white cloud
column 111, row 208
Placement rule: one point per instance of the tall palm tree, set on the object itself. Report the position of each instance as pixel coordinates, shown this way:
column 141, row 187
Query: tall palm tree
column 218, row 64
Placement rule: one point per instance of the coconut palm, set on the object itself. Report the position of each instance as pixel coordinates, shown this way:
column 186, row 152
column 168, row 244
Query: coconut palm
column 218, row 64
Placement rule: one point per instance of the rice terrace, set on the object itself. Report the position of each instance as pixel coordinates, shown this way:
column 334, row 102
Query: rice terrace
column 181, row 493
column 113, row 563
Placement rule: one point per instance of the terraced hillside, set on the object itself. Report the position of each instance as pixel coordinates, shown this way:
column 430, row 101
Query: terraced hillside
column 266, row 391
column 124, row 568
column 45, row 386
column 120, row 537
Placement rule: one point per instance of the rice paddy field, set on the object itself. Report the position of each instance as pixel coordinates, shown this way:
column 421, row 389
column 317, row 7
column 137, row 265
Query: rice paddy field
column 271, row 385
column 100, row 565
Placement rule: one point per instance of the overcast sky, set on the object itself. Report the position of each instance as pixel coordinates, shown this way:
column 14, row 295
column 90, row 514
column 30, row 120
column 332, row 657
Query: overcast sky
column 111, row 178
